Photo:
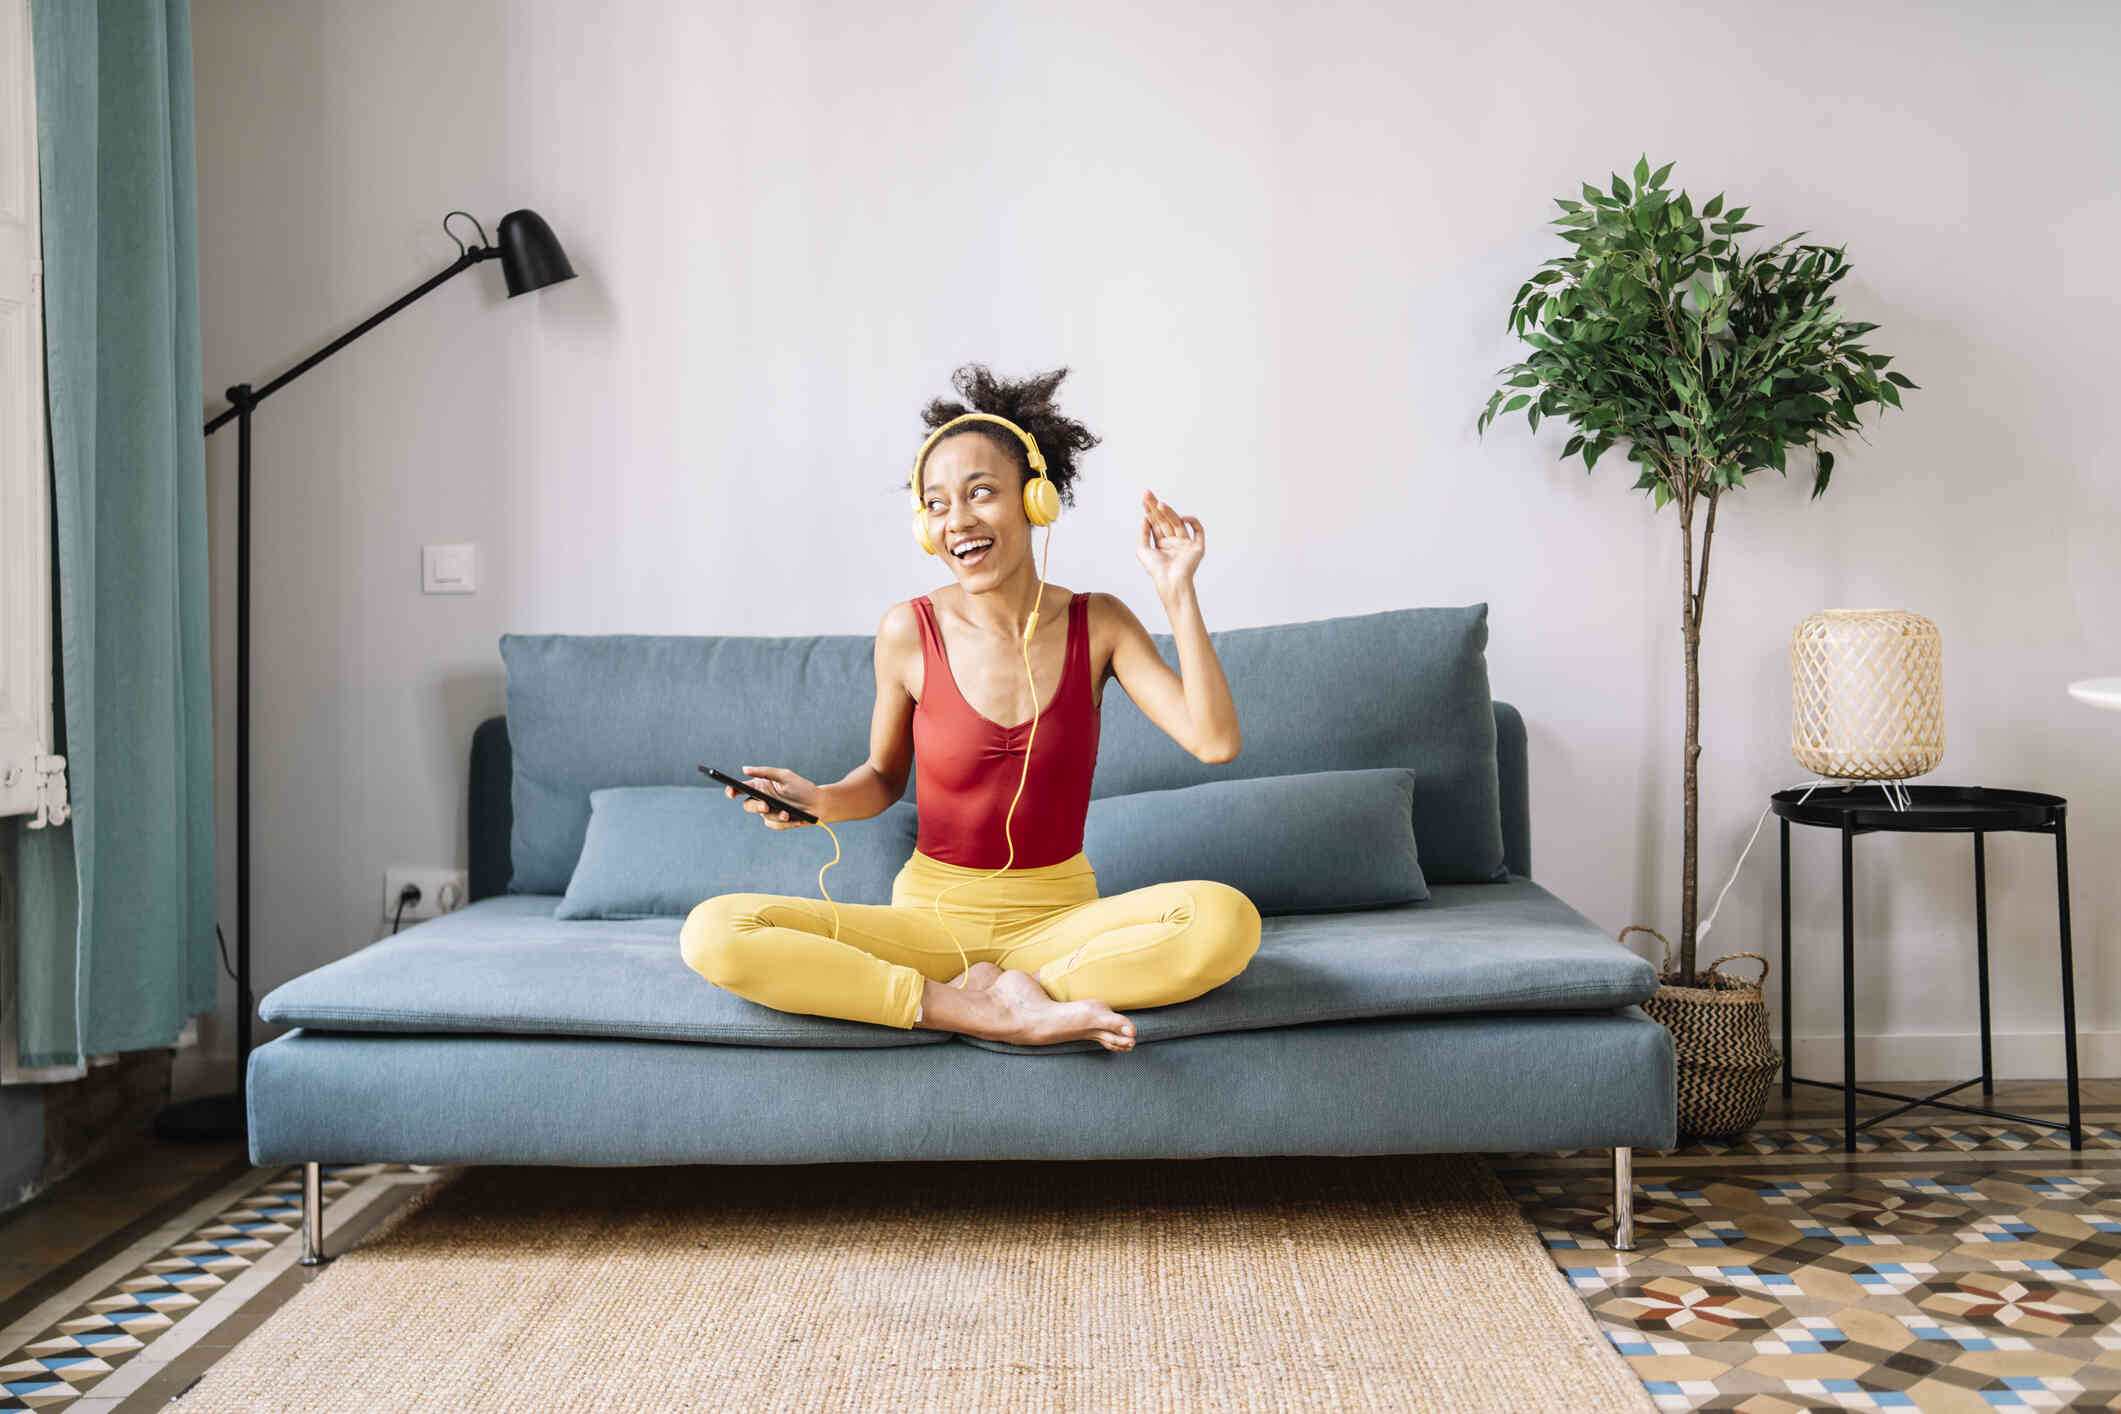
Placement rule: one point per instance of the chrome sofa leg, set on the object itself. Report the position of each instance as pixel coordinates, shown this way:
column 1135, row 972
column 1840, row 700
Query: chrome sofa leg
column 313, row 1217
column 1623, row 1199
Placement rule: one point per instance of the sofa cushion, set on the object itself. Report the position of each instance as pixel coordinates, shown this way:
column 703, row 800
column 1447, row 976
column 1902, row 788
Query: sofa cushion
column 1470, row 948
column 1402, row 687
column 655, row 851
column 505, row 964
column 1311, row 843
column 1395, row 1085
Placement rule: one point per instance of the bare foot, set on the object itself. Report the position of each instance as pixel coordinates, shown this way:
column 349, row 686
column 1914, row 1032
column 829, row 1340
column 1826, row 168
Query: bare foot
column 977, row 977
column 1043, row 1020
column 1012, row 1006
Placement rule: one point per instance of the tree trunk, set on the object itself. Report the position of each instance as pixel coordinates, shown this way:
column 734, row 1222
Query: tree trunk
column 1687, row 900
column 1690, row 628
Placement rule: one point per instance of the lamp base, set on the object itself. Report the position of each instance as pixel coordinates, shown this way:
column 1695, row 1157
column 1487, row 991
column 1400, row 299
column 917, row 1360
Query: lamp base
column 204, row 1118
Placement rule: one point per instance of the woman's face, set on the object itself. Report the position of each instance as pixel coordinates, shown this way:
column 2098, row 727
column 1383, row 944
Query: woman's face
column 974, row 492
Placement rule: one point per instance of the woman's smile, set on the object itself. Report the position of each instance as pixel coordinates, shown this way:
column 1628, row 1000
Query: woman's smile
column 983, row 550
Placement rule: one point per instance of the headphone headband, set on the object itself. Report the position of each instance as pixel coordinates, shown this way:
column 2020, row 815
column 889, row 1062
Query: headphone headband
column 1031, row 452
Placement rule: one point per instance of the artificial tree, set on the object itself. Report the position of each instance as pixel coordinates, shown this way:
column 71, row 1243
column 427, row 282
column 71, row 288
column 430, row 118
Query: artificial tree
column 1705, row 390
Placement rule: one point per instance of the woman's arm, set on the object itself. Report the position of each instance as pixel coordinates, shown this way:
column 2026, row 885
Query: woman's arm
column 1193, row 705
column 880, row 782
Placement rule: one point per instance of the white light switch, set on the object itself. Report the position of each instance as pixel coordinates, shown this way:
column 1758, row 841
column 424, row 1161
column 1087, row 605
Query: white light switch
column 449, row 569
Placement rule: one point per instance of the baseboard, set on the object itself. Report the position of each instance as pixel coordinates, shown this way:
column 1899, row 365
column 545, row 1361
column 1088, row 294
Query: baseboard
column 1947, row 1056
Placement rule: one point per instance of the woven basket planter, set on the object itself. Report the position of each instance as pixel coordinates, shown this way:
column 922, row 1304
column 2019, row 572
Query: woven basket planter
column 1720, row 1034
column 1867, row 695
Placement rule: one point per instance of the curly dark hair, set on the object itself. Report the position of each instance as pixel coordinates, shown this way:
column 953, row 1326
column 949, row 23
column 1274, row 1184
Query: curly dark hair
column 1027, row 402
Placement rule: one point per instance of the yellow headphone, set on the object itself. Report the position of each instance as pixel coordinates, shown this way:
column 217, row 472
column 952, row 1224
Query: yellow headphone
column 1041, row 497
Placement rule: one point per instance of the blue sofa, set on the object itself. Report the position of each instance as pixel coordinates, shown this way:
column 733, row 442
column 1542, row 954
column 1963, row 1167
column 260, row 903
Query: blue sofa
column 1487, row 1017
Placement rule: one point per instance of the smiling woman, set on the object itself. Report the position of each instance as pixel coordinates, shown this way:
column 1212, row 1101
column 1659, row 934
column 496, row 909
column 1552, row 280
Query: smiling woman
column 1034, row 955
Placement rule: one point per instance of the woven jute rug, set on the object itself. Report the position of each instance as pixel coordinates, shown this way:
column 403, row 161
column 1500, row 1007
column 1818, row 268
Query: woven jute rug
column 1218, row 1284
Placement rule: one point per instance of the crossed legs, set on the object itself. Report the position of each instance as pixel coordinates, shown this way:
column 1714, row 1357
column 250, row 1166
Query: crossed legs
column 1049, row 975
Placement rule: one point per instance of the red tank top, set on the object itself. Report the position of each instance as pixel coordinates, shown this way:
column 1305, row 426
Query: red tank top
column 966, row 767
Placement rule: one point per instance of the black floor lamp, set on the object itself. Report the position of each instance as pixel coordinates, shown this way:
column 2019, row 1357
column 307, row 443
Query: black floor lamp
column 530, row 258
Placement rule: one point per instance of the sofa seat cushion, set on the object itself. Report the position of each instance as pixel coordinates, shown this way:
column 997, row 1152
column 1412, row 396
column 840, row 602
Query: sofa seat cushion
column 505, row 964
column 1471, row 948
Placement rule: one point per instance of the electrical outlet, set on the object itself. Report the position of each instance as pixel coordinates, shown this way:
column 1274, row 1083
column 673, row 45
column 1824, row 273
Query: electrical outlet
column 441, row 891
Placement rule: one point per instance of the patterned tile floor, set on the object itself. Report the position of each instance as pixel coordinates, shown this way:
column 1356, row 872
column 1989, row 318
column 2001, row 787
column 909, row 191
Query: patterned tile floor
column 1967, row 1265
column 1958, row 1266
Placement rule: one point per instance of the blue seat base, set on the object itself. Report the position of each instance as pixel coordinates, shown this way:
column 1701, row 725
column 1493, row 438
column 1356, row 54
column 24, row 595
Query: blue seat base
column 1491, row 1083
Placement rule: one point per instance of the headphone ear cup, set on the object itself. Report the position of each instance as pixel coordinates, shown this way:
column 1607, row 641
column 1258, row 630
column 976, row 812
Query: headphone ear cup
column 920, row 532
column 1041, row 501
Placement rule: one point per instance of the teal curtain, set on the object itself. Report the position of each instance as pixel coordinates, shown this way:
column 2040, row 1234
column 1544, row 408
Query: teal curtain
column 116, row 945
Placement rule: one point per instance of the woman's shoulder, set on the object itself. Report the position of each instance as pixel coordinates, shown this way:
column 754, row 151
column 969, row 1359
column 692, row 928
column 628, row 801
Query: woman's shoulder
column 899, row 631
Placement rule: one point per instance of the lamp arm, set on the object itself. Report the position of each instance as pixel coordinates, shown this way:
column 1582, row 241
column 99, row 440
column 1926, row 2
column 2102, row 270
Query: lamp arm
column 251, row 398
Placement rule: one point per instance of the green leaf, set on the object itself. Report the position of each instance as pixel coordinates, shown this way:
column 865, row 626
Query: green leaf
column 1517, row 402
column 1593, row 195
column 1546, row 277
column 1715, row 205
column 1525, row 380
column 1642, row 171
column 1657, row 177
column 1620, row 188
column 1902, row 379
column 1591, row 453
column 1574, row 446
column 1566, row 205
column 1661, row 493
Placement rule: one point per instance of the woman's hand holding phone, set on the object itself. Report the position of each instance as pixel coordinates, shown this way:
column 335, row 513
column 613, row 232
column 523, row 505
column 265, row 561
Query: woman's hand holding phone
column 786, row 784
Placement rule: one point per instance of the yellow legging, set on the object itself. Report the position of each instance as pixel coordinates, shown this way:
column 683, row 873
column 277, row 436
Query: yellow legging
column 1147, row 947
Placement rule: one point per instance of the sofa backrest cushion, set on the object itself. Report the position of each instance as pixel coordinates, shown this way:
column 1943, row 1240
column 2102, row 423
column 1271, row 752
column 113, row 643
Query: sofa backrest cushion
column 1320, row 842
column 656, row 851
column 1402, row 687
column 492, row 815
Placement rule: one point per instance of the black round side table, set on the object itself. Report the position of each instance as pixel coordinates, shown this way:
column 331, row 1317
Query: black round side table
column 1975, row 810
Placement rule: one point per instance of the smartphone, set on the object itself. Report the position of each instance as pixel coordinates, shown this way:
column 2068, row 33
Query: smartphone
column 772, row 802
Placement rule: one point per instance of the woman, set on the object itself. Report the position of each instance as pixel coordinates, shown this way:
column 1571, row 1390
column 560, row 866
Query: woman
column 1030, row 954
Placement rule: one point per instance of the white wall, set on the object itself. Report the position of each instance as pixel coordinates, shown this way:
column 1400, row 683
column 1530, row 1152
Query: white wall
column 1278, row 254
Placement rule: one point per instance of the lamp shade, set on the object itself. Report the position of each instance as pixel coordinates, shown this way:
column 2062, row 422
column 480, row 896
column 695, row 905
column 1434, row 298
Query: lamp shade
column 531, row 257
column 1866, row 694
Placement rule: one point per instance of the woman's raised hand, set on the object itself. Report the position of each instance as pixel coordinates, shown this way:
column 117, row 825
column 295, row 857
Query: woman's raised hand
column 781, row 782
column 1171, row 545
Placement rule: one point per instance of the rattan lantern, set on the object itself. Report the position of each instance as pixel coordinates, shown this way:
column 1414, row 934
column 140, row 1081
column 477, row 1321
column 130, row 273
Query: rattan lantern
column 1867, row 695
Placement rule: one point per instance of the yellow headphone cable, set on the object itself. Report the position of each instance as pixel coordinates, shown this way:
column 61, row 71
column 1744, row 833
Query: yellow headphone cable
column 1041, row 507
